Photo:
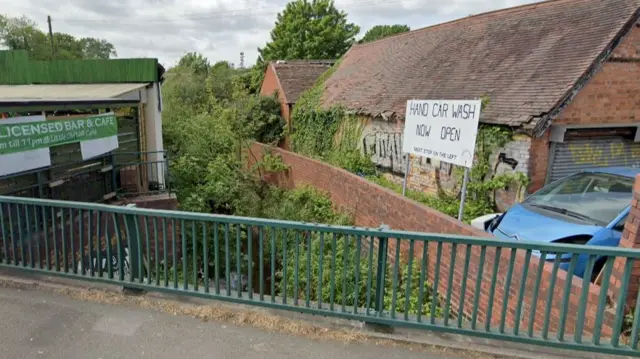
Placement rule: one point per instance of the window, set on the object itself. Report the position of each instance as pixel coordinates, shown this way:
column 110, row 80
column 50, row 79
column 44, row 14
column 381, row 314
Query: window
column 595, row 198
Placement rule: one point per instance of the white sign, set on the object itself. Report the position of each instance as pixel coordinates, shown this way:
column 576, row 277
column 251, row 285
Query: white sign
column 99, row 146
column 445, row 130
column 24, row 161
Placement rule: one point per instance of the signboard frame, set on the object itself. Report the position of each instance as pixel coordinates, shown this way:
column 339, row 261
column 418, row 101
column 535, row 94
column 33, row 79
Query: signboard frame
column 445, row 130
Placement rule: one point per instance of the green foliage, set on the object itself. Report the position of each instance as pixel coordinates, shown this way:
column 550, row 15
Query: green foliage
column 314, row 131
column 327, row 133
column 271, row 163
column 22, row 33
column 197, row 63
column 210, row 118
column 206, row 123
column 195, row 101
column 258, row 118
column 381, row 31
column 409, row 275
column 250, row 80
column 313, row 29
column 333, row 136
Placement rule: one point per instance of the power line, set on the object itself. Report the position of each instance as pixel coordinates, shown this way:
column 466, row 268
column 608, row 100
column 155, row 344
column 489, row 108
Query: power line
column 235, row 13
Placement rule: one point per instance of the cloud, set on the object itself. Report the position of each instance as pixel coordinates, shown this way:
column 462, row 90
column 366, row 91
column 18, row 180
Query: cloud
column 220, row 29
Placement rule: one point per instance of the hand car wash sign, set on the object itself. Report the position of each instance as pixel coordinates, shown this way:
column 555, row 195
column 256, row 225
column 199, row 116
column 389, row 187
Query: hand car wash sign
column 442, row 130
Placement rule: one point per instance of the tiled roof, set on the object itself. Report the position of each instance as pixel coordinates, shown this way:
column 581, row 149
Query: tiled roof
column 526, row 59
column 299, row 75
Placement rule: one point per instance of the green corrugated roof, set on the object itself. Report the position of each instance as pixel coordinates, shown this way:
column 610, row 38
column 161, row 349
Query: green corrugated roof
column 17, row 69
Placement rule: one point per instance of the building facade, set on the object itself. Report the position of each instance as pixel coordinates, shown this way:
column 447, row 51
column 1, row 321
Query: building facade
column 562, row 75
column 289, row 79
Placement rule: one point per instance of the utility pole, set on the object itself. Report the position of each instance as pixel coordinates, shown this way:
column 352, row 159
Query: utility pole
column 53, row 53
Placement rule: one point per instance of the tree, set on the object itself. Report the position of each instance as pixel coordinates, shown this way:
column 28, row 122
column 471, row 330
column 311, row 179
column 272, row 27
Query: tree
column 196, row 62
column 220, row 80
column 380, row 31
column 306, row 29
column 22, row 33
column 93, row 48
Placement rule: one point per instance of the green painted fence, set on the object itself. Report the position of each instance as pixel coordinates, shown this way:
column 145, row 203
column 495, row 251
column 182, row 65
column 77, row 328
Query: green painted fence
column 471, row 286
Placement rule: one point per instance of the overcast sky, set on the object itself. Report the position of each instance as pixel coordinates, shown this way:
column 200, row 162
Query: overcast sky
column 220, row 29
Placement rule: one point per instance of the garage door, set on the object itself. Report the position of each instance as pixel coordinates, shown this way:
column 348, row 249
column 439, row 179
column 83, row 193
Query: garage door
column 575, row 155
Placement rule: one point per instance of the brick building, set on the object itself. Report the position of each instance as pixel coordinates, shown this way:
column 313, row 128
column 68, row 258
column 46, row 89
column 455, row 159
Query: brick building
column 563, row 74
column 290, row 79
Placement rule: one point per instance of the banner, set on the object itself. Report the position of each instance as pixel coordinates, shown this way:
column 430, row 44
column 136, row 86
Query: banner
column 27, row 160
column 30, row 136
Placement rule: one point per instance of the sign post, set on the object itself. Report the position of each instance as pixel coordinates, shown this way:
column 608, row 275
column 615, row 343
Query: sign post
column 463, row 195
column 445, row 130
column 406, row 175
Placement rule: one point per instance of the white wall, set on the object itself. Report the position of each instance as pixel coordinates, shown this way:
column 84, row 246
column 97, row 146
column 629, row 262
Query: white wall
column 153, row 127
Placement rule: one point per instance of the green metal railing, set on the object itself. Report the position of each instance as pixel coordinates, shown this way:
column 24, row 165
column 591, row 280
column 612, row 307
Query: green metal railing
column 470, row 286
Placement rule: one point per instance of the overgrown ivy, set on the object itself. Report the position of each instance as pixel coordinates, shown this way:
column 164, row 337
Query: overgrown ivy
column 483, row 181
column 332, row 135
column 207, row 135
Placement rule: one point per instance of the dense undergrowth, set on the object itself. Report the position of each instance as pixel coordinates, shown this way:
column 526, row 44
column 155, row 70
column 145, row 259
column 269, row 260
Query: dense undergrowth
column 210, row 119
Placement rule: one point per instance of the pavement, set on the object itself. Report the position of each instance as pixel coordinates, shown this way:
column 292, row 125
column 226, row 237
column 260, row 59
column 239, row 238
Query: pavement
column 38, row 324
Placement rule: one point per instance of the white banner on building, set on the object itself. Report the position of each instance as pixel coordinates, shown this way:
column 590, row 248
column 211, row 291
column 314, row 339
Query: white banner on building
column 24, row 161
column 445, row 130
column 99, row 146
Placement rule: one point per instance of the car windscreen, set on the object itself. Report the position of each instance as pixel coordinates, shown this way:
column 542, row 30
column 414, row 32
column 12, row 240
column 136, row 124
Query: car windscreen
column 590, row 197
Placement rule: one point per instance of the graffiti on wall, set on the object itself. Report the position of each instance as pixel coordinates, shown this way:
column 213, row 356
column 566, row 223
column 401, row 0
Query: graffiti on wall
column 384, row 148
column 605, row 154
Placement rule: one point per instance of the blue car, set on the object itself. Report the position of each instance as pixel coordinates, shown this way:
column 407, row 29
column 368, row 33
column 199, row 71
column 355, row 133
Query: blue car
column 589, row 207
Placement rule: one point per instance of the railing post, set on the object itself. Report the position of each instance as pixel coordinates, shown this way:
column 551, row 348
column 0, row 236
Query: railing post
column 133, row 246
column 383, row 244
column 165, row 173
column 380, row 277
column 113, row 173
column 40, row 188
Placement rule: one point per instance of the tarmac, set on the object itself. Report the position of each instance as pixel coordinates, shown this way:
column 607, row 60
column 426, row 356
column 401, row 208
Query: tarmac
column 38, row 324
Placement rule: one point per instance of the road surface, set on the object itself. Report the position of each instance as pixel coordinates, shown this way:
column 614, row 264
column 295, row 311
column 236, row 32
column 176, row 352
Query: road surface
column 43, row 325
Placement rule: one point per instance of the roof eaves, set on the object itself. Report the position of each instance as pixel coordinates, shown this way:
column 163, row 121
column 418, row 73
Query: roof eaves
column 546, row 118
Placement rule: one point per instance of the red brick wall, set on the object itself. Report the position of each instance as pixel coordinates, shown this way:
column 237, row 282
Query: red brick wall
column 629, row 48
column 630, row 239
column 270, row 84
column 373, row 205
column 538, row 162
column 611, row 96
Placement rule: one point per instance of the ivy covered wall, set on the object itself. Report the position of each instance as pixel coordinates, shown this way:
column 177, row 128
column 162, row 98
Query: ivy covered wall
column 373, row 148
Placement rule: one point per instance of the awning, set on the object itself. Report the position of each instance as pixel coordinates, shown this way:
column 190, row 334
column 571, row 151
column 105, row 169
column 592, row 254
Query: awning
column 68, row 93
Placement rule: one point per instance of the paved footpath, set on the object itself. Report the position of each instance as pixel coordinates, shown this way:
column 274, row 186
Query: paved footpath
column 43, row 325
